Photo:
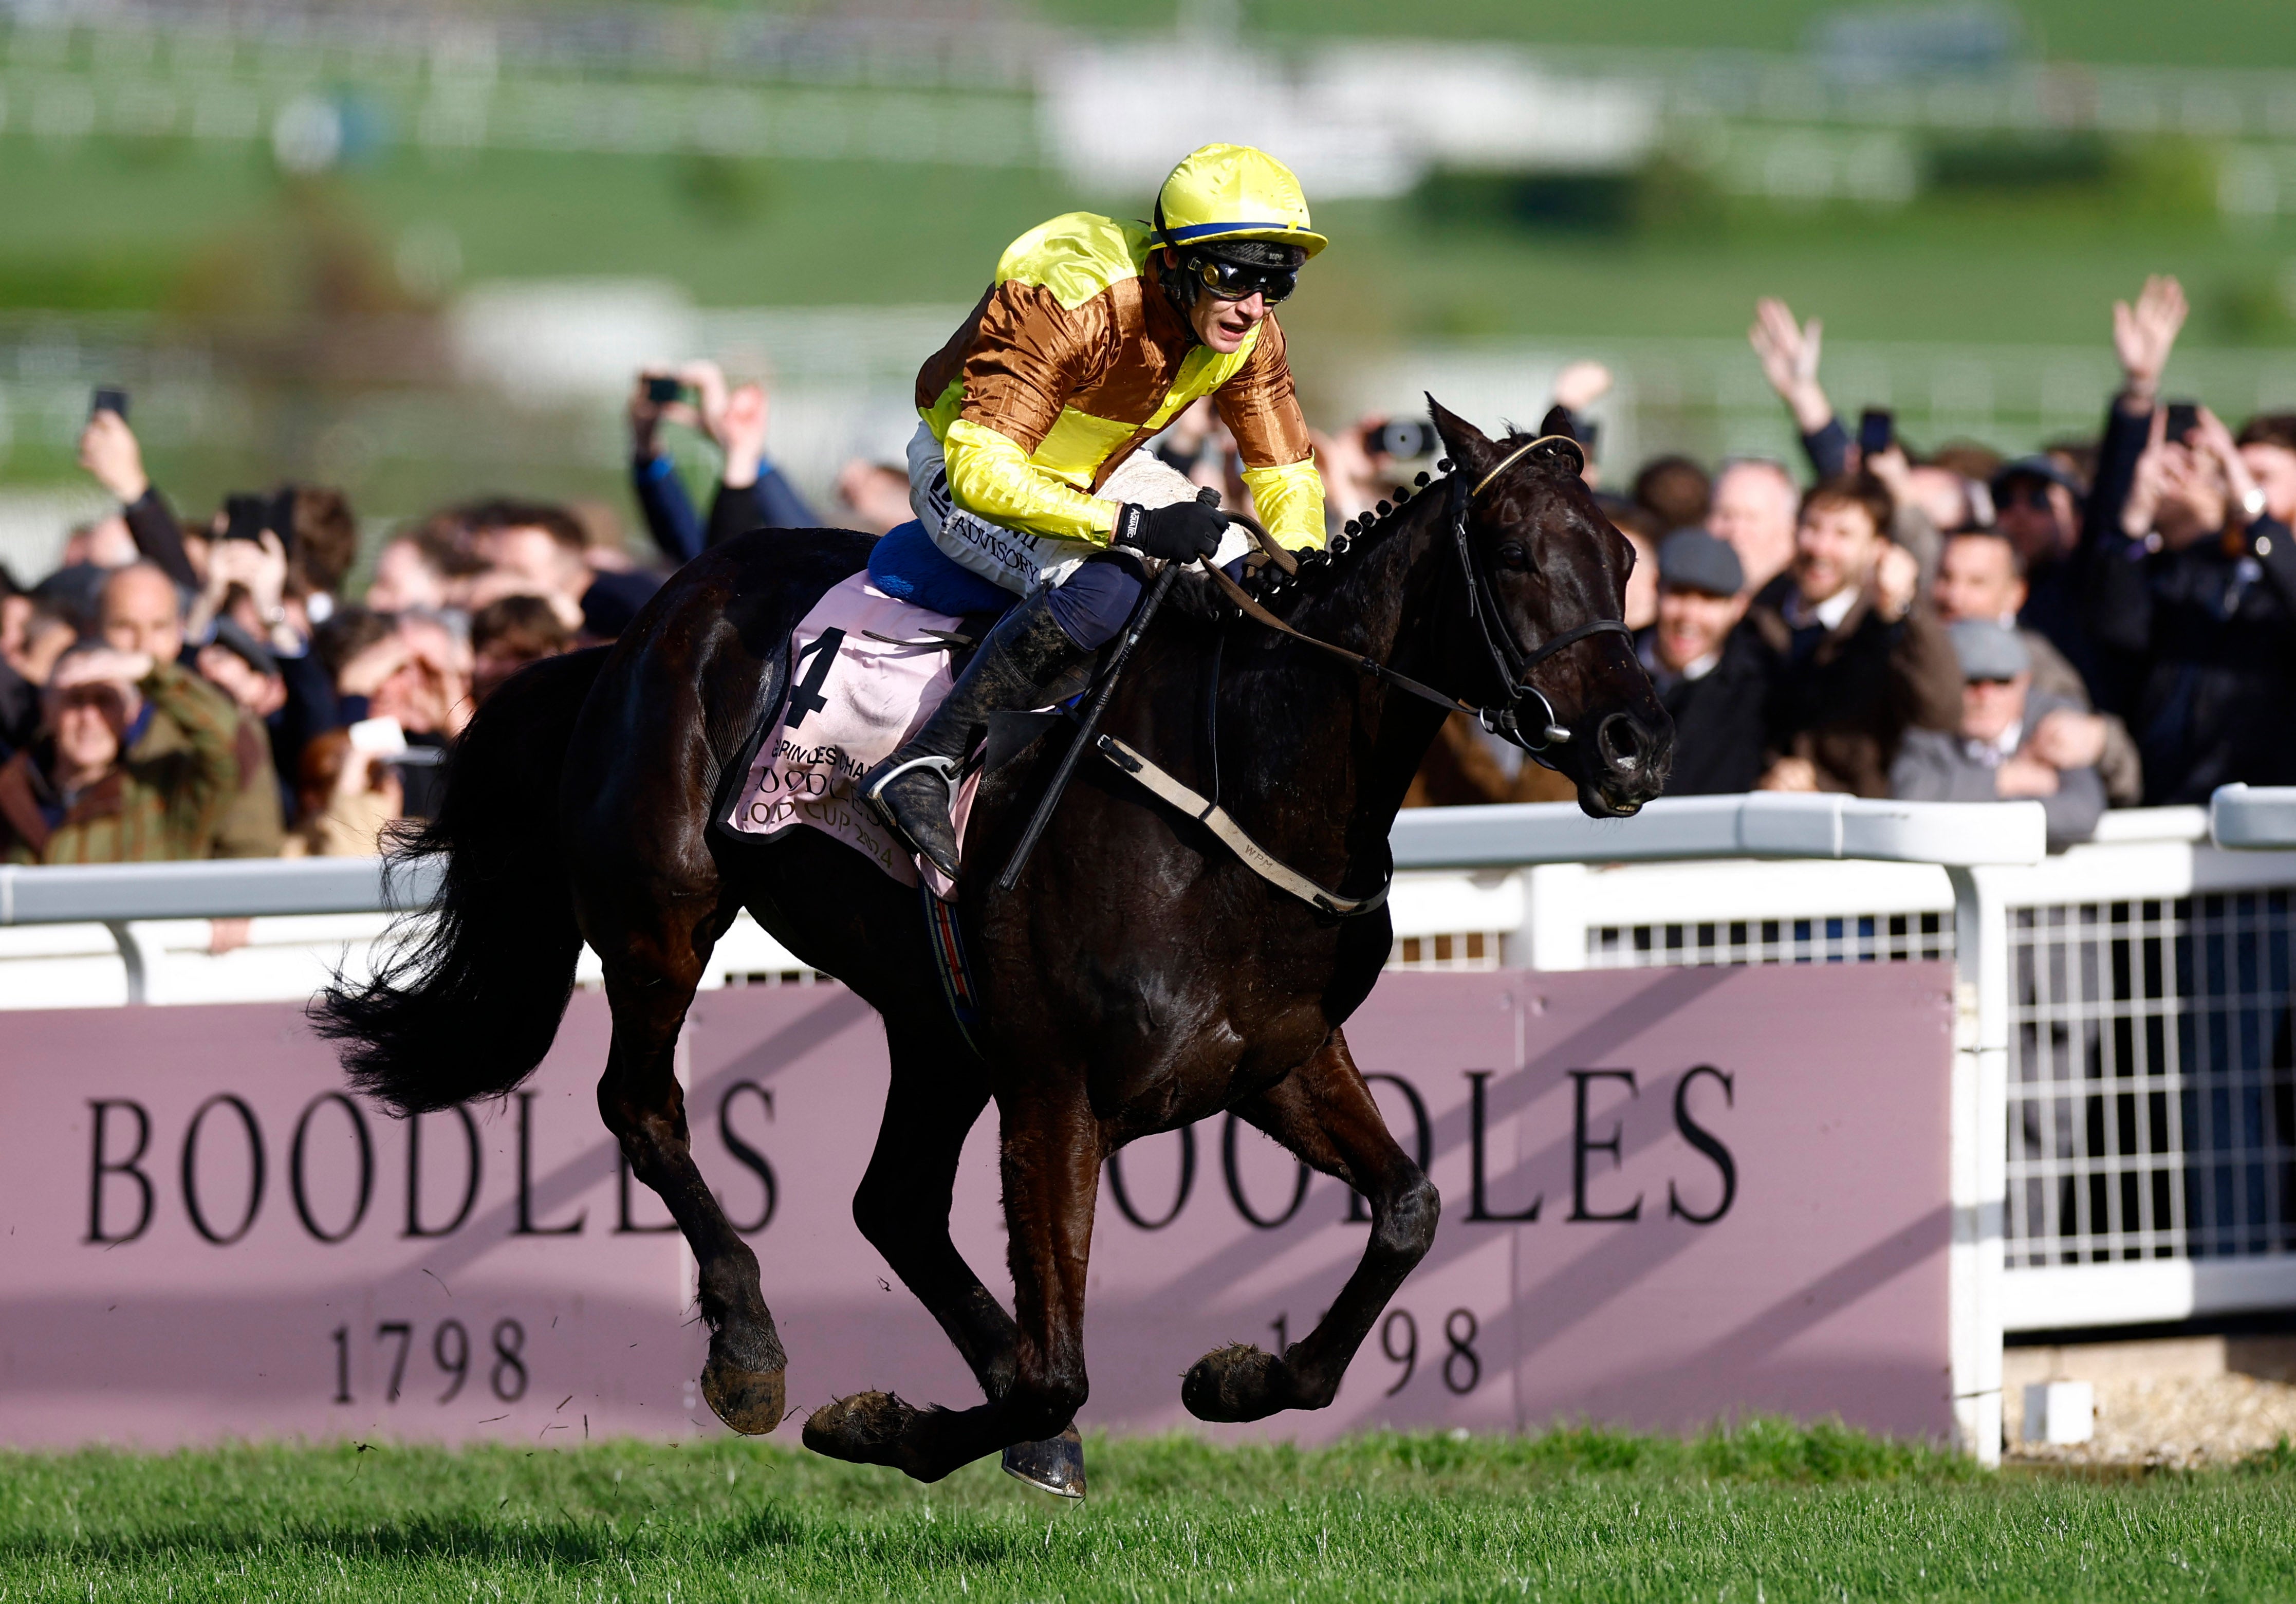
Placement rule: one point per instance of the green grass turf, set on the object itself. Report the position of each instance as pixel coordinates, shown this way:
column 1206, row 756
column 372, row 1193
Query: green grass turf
column 106, row 226
column 1766, row 1513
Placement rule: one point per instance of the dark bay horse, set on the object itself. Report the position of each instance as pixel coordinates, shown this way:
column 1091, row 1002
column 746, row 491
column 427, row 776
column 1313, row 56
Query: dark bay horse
column 1138, row 977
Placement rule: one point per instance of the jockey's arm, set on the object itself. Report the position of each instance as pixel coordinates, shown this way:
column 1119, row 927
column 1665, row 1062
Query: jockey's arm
column 990, row 475
column 1032, row 353
column 1261, row 409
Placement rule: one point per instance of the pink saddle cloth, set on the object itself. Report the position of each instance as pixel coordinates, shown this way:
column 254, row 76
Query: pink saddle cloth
column 865, row 675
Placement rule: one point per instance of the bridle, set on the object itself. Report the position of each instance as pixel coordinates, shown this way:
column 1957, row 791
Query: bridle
column 1512, row 663
column 1510, row 660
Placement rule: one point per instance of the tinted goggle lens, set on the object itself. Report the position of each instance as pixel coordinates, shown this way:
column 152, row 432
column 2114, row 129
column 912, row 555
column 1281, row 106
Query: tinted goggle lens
column 1234, row 281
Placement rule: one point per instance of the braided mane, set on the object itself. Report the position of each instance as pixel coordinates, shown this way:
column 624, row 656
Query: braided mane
column 1272, row 586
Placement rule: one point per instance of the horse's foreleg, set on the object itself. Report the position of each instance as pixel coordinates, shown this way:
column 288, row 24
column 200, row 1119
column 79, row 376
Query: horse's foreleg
column 902, row 1205
column 1324, row 1113
column 645, row 1107
column 1051, row 1143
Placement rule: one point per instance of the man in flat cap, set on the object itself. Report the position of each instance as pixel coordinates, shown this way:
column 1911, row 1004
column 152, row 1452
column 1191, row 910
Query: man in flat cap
column 1989, row 758
column 1711, row 675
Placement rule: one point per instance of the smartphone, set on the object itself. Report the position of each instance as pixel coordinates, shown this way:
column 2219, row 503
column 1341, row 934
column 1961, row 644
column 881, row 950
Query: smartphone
column 661, row 390
column 1587, row 433
column 1877, row 430
column 246, row 517
column 107, row 398
column 1400, row 439
column 381, row 737
column 2184, row 417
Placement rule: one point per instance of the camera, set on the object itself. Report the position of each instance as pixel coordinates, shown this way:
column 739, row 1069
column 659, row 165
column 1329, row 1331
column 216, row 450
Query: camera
column 662, row 390
column 1400, row 439
column 246, row 516
column 108, row 398
column 1877, row 430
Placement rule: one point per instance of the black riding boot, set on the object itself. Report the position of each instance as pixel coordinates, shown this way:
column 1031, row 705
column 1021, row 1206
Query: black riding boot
column 1012, row 672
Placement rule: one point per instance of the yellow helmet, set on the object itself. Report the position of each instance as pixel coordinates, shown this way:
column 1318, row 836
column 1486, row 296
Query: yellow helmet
column 1232, row 191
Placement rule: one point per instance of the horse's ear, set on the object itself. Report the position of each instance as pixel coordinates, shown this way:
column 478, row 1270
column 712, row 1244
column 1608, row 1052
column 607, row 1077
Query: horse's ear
column 1466, row 444
column 1558, row 421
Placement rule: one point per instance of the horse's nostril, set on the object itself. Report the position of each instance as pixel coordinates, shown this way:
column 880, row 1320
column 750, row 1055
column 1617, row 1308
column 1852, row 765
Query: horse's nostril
column 1619, row 741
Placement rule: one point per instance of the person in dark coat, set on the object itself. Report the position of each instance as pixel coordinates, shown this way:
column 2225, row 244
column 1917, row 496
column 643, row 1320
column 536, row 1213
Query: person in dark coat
column 1857, row 656
column 1710, row 671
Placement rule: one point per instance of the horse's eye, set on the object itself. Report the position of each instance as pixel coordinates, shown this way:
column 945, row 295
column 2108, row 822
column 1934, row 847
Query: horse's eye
column 1514, row 554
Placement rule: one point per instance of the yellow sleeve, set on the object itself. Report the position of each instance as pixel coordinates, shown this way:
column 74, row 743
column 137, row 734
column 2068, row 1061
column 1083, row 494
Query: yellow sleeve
column 1290, row 502
column 990, row 476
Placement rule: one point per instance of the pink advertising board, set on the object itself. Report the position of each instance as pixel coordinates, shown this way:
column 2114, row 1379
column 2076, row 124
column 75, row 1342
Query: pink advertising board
column 1668, row 1196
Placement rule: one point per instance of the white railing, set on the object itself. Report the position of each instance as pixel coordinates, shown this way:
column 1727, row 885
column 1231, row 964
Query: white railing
column 2120, row 1087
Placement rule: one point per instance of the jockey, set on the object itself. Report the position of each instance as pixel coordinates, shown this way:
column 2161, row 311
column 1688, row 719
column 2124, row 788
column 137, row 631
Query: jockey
column 1096, row 335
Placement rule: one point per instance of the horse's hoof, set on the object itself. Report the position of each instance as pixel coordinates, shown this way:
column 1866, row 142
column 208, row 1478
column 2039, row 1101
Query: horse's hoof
column 751, row 1402
column 1235, row 1383
column 1056, row 1464
column 866, row 1428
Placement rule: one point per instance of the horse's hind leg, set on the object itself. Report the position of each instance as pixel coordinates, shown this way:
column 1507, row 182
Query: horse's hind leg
column 651, row 982
column 1324, row 1113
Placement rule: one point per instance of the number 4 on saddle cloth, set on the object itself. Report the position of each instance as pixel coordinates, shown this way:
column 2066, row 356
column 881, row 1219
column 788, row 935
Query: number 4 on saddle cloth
column 866, row 671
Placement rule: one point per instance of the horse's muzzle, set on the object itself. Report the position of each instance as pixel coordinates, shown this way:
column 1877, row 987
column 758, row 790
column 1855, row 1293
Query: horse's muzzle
column 1629, row 766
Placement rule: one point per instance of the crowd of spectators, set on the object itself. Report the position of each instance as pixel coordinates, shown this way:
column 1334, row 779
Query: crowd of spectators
column 2105, row 622
column 2108, row 621
column 212, row 688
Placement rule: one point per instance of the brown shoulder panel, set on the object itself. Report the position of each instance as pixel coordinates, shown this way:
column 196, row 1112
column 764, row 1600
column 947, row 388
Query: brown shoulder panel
column 1030, row 358
column 941, row 368
column 1260, row 408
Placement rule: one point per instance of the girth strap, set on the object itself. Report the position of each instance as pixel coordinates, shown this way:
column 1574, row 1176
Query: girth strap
column 1222, row 824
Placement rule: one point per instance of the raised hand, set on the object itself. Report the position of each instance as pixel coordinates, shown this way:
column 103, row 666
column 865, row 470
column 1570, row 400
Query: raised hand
column 2144, row 335
column 1789, row 352
column 1897, row 579
column 1580, row 385
column 740, row 433
column 109, row 450
column 104, row 666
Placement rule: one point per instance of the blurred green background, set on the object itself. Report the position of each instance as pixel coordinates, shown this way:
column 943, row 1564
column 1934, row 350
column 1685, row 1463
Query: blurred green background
column 242, row 264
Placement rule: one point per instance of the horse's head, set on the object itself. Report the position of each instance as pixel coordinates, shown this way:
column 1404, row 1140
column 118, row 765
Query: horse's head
column 1547, row 576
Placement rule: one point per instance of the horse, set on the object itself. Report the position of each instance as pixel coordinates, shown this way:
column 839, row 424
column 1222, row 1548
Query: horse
column 1138, row 976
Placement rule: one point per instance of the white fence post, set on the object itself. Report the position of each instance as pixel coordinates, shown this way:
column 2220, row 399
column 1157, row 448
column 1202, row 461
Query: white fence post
column 1554, row 930
column 1979, row 1155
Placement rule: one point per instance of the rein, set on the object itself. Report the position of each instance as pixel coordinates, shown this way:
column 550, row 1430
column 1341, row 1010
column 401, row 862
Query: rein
column 1513, row 664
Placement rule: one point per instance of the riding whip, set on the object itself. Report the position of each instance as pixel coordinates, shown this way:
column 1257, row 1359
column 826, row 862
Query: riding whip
column 1134, row 629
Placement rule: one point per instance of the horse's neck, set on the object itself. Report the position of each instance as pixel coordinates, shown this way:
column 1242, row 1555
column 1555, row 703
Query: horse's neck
column 1349, row 744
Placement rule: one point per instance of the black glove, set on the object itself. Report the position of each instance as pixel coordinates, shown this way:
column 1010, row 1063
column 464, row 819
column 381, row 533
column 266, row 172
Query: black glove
column 1179, row 533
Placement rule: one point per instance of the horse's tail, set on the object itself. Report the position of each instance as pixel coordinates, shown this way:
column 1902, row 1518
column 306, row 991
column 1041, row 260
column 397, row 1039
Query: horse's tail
column 469, row 1003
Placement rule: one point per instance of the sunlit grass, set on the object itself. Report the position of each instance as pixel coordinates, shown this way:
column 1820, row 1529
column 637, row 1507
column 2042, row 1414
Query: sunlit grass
column 1765, row 1512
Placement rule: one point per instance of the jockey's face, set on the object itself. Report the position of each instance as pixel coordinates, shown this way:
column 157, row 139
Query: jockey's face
column 1224, row 324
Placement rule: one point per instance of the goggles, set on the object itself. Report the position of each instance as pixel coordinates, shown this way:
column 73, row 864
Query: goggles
column 1234, row 281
